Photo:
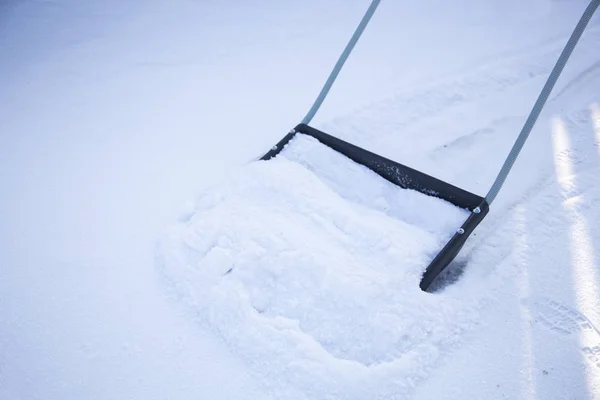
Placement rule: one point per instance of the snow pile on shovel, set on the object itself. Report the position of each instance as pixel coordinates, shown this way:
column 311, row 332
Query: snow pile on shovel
column 309, row 266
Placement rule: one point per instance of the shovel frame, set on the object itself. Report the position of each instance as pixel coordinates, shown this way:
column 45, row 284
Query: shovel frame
column 406, row 178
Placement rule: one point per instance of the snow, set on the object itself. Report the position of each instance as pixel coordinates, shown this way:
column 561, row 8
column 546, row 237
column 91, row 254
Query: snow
column 115, row 115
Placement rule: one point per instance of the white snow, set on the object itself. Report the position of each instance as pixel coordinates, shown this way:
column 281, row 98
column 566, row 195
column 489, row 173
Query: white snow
column 116, row 115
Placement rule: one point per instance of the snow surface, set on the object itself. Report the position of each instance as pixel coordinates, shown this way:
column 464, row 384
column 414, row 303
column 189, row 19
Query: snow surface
column 114, row 114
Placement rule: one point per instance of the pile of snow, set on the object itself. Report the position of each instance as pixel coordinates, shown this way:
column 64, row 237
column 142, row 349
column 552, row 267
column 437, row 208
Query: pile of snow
column 310, row 263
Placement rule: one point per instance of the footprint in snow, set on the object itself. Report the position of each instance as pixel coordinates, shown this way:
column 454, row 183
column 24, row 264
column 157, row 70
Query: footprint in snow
column 565, row 320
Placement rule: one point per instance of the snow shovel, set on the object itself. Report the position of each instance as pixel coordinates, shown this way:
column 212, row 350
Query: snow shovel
column 411, row 179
